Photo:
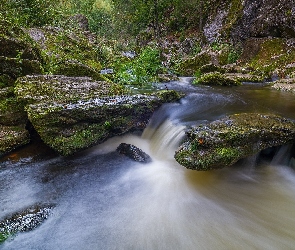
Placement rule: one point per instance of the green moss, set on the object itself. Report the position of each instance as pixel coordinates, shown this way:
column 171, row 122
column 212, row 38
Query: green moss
column 273, row 55
column 4, row 236
column 189, row 66
column 216, row 78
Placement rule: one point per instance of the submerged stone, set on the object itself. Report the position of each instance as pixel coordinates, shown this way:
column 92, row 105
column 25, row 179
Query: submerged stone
column 223, row 142
column 24, row 221
column 133, row 152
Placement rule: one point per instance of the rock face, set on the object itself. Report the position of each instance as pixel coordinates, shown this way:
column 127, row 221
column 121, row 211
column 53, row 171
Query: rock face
column 133, row 153
column 24, row 221
column 73, row 113
column 224, row 142
column 244, row 19
column 18, row 57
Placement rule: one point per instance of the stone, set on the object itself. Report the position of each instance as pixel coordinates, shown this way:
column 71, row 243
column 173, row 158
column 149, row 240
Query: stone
column 133, row 153
column 216, row 78
column 285, row 85
column 74, row 113
column 12, row 137
column 222, row 143
column 24, row 221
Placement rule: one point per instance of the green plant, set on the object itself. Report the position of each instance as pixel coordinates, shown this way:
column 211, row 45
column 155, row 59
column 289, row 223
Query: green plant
column 141, row 70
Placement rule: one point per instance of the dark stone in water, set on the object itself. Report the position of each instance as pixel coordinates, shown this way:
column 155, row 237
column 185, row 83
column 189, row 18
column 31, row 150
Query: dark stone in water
column 24, row 221
column 133, row 152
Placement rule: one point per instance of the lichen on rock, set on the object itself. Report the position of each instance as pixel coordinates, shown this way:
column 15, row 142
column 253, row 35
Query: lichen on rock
column 224, row 142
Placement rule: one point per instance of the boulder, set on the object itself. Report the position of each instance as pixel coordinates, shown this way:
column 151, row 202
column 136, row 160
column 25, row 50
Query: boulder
column 224, row 142
column 216, row 78
column 24, row 221
column 74, row 113
column 285, row 85
column 133, row 153
column 12, row 137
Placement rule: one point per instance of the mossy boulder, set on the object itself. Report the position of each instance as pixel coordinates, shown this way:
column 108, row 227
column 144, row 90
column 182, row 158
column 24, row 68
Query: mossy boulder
column 12, row 137
column 245, row 77
column 208, row 68
column 269, row 56
column 188, row 66
column 216, row 78
column 74, row 113
column 285, row 85
column 70, row 52
column 24, row 221
column 224, row 142
column 15, row 43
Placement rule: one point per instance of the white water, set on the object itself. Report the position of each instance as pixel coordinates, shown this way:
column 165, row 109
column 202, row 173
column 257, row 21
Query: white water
column 106, row 201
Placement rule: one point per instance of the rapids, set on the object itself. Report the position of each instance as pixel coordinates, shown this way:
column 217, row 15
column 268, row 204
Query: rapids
column 105, row 201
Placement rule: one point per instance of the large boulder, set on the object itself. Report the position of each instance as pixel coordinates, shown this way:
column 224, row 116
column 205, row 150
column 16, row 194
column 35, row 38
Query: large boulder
column 224, row 142
column 73, row 113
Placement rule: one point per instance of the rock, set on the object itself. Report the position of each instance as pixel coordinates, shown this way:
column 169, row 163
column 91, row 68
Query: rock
column 285, row 85
column 240, row 20
column 24, row 221
column 12, row 137
column 71, row 52
column 245, row 77
column 75, row 68
column 216, row 78
column 224, row 142
column 189, row 66
column 15, row 67
column 133, row 152
column 74, row 113
column 208, row 68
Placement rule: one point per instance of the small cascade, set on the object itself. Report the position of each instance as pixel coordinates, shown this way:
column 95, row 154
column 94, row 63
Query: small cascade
column 164, row 139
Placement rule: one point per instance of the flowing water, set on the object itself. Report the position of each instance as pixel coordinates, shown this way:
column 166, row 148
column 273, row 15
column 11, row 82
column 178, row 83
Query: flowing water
column 106, row 201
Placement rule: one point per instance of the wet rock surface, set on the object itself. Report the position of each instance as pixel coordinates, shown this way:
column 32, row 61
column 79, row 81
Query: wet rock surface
column 24, row 221
column 224, row 142
column 133, row 153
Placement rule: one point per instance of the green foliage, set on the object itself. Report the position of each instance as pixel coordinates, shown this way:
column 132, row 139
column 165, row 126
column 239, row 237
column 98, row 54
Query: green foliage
column 142, row 70
column 31, row 13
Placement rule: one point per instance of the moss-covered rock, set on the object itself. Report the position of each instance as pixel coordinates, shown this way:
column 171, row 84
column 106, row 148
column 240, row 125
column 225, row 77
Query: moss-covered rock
column 75, row 68
column 15, row 67
column 74, row 113
column 269, row 56
column 12, row 137
column 208, row 68
column 24, row 221
column 285, row 85
column 70, row 52
column 189, row 66
column 224, row 142
column 216, row 78
column 245, row 77
column 12, row 111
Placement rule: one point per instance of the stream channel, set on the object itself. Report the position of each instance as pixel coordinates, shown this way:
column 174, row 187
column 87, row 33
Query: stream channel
column 106, row 201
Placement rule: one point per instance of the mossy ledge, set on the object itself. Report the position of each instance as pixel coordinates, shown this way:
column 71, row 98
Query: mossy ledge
column 223, row 142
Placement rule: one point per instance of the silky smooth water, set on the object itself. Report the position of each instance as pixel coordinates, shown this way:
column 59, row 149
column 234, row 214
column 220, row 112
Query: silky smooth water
column 106, row 201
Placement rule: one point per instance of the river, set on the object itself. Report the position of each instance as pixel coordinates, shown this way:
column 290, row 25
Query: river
column 104, row 201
